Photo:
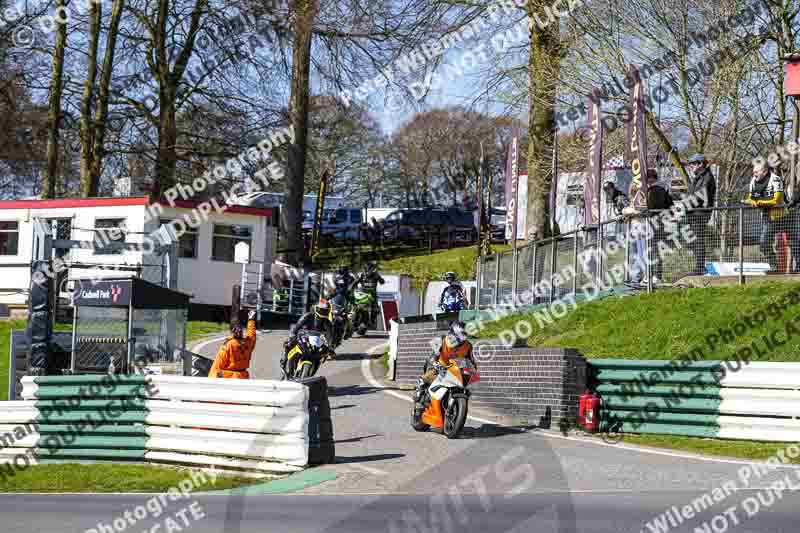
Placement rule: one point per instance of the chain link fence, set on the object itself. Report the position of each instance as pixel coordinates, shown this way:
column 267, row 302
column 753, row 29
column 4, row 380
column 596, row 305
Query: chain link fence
column 646, row 251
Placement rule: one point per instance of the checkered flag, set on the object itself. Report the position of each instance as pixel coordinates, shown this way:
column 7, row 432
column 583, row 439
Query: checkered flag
column 615, row 162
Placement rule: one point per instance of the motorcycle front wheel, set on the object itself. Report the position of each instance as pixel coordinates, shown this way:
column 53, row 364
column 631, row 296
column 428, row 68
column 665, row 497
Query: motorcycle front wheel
column 306, row 372
column 455, row 417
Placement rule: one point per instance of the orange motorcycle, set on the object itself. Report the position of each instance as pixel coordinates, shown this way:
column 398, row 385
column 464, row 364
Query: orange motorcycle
column 447, row 399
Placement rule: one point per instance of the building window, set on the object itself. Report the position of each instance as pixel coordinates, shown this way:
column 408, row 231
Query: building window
column 187, row 243
column 9, row 237
column 225, row 240
column 61, row 228
column 108, row 230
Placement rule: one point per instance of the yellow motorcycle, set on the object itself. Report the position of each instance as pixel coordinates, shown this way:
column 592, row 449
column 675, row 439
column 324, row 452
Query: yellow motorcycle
column 310, row 351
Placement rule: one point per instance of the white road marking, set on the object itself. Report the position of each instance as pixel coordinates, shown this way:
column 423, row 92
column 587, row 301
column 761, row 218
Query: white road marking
column 368, row 469
column 197, row 347
column 367, row 372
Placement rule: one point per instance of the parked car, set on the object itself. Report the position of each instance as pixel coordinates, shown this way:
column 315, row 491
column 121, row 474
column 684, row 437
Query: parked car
column 411, row 224
column 497, row 223
column 342, row 223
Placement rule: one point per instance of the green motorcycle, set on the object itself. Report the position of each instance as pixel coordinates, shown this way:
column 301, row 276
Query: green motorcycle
column 362, row 315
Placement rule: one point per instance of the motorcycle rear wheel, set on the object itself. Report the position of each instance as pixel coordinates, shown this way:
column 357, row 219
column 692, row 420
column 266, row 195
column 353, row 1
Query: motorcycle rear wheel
column 455, row 417
column 362, row 329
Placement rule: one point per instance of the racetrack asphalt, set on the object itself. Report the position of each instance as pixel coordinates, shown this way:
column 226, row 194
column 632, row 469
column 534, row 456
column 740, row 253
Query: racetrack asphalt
column 493, row 479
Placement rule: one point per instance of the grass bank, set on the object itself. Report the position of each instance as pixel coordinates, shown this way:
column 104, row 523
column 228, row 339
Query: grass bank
column 663, row 325
column 417, row 263
column 104, row 477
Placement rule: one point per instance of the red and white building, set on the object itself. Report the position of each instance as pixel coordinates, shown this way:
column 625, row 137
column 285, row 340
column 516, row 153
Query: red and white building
column 206, row 267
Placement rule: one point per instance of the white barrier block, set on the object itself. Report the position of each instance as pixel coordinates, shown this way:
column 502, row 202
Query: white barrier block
column 247, row 391
column 288, row 448
column 233, row 417
column 220, row 462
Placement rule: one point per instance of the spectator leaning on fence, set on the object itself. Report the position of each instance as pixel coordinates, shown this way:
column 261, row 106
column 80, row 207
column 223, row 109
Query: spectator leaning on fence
column 637, row 254
column 767, row 191
column 703, row 188
column 658, row 199
column 617, row 198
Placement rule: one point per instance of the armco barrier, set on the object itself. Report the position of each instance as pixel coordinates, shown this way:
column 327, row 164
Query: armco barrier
column 253, row 425
column 541, row 385
column 756, row 401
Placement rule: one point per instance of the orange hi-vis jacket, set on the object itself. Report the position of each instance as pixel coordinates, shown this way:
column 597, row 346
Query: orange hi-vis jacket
column 233, row 358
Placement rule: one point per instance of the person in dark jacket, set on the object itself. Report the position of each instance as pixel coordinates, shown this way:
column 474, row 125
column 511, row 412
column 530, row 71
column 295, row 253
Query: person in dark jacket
column 703, row 188
column 617, row 198
column 369, row 280
column 658, row 199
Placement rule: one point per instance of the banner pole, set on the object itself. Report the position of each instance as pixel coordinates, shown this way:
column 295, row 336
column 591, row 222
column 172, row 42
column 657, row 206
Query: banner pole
column 481, row 230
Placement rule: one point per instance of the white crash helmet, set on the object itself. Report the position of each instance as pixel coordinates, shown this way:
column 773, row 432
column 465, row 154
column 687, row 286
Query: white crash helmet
column 457, row 334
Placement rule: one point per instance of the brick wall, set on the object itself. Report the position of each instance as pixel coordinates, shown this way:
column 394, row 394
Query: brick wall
column 540, row 385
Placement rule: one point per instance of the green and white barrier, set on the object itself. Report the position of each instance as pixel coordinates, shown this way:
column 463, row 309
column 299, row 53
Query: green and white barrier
column 254, row 425
column 755, row 401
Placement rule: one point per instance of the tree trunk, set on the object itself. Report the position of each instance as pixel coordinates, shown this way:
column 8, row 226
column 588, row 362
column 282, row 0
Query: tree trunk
column 292, row 213
column 87, row 127
column 101, row 114
column 54, row 107
column 543, row 64
column 168, row 82
column 167, row 138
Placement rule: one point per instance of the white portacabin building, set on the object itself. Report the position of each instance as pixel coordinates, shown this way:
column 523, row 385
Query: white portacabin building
column 206, row 267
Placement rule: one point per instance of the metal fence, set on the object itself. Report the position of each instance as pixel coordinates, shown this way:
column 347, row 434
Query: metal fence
column 656, row 248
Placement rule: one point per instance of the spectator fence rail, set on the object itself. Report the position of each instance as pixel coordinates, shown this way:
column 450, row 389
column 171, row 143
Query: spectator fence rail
column 735, row 241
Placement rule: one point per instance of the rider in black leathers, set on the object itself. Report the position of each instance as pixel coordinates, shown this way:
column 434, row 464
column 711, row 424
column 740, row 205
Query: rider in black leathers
column 318, row 319
column 369, row 280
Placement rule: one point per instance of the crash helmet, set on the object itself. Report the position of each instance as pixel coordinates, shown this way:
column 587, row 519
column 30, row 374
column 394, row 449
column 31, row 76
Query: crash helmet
column 344, row 271
column 457, row 335
column 323, row 309
column 370, row 267
column 450, row 277
column 236, row 331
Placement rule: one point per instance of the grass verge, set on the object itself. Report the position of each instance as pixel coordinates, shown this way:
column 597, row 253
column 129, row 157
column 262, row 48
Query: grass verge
column 196, row 329
column 384, row 361
column 754, row 450
column 663, row 325
column 417, row 263
column 103, row 477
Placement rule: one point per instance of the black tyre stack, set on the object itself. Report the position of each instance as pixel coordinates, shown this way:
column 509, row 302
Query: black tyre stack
column 321, row 447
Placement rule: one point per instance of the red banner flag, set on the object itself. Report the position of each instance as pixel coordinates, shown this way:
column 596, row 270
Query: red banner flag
column 512, row 186
column 637, row 138
column 594, row 174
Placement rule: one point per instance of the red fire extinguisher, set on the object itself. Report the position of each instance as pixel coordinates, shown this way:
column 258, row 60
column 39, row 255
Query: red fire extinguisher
column 589, row 412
